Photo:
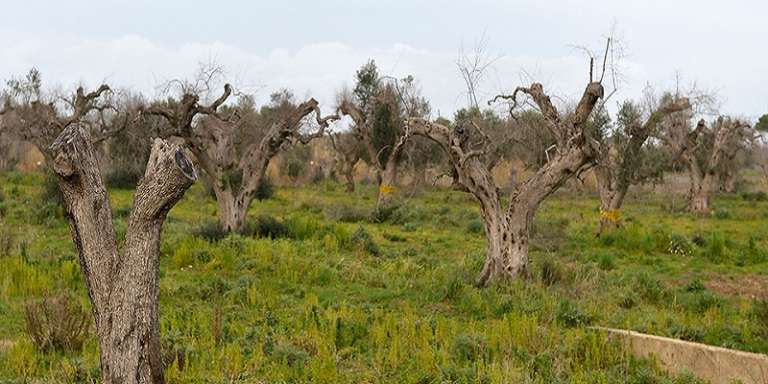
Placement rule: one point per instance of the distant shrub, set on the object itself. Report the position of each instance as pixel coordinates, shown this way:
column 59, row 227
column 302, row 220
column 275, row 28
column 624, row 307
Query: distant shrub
column 722, row 213
column 57, row 324
column 695, row 285
column 716, row 249
column 123, row 177
column 649, row 288
column 699, row 301
column 754, row 196
column 382, row 213
column 363, row 240
column 210, row 230
column 266, row 189
column 468, row 347
column 393, row 237
column 751, row 254
column 569, row 315
column 266, row 226
column 605, row 262
column 476, row 227
column 50, row 192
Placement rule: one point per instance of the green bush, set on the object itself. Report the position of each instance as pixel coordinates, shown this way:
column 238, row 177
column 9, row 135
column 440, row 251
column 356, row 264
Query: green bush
column 754, row 196
column 50, row 192
column 468, row 347
column 605, row 262
column 569, row 315
column 363, row 240
column 476, row 227
column 695, row 285
column 267, row 226
column 123, row 177
column 210, row 230
column 266, row 189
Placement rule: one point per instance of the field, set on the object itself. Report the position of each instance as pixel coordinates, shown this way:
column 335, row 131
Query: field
column 322, row 290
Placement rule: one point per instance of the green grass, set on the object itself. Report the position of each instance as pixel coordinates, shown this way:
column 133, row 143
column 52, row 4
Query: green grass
column 341, row 298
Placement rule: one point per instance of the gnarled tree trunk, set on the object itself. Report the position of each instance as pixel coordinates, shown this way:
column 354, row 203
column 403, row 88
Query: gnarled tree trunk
column 124, row 290
column 508, row 232
column 700, row 192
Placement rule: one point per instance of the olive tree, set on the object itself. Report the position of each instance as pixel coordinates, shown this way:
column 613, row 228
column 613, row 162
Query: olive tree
column 706, row 150
column 508, row 229
column 30, row 114
column 625, row 156
column 378, row 106
column 233, row 145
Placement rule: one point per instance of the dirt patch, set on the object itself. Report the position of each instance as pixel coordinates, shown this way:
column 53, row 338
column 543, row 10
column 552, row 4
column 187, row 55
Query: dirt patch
column 751, row 286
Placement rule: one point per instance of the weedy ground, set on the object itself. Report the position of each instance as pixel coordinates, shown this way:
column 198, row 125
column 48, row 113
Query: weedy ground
column 323, row 289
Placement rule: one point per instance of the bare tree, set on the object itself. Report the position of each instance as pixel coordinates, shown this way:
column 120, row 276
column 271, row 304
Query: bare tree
column 508, row 231
column 36, row 117
column 348, row 154
column 378, row 109
column 622, row 160
column 233, row 145
column 705, row 151
column 124, row 288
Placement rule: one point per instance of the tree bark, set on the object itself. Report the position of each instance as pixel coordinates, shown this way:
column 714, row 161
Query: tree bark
column 124, row 290
column 387, row 185
column 699, row 194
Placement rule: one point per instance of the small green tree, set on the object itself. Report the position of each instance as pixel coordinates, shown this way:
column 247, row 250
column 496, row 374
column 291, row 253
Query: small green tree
column 762, row 123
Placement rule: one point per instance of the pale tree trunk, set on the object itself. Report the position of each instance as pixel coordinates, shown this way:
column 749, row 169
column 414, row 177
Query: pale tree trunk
column 123, row 289
column 387, row 184
column 507, row 233
column 346, row 169
column 701, row 185
column 699, row 194
column 612, row 196
column 231, row 218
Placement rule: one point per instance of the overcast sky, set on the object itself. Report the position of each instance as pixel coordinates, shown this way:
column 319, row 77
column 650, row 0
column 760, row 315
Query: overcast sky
column 314, row 47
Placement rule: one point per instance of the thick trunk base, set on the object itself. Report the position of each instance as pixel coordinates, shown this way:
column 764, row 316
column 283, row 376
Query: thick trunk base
column 699, row 204
column 507, row 258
